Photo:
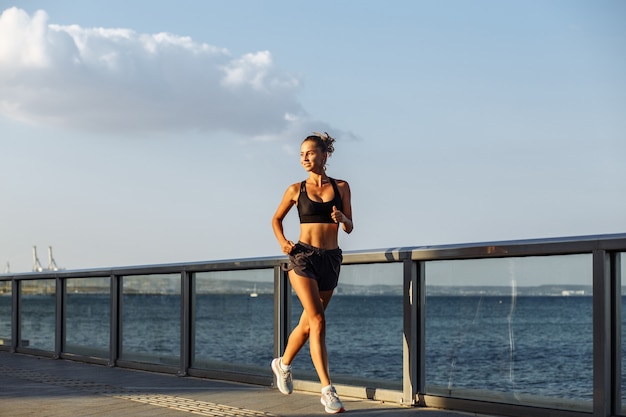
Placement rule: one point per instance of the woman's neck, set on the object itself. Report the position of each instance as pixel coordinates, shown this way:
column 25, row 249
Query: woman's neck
column 318, row 179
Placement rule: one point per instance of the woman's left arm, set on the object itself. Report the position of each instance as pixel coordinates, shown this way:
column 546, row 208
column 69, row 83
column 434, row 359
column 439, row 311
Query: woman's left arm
column 345, row 215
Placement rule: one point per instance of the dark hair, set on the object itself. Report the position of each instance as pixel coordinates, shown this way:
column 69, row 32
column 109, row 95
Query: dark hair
column 323, row 140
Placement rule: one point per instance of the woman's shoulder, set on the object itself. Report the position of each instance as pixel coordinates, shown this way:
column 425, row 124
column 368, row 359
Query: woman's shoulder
column 341, row 183
column 293, row 190
column 295, row 186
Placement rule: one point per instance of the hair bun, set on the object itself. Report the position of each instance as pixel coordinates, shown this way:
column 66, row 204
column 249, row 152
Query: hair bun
column 327, row 140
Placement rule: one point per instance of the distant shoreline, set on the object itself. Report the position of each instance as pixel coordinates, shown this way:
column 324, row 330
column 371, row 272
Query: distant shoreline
column 350, row 291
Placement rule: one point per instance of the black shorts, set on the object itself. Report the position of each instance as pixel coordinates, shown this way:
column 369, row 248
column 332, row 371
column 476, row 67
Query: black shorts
column 322, row 265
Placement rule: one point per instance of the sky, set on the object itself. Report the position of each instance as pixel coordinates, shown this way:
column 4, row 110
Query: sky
column 151, row 132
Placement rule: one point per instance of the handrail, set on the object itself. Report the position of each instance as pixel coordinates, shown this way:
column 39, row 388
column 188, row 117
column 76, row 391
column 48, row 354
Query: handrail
column 604, row 249
column 530, row 247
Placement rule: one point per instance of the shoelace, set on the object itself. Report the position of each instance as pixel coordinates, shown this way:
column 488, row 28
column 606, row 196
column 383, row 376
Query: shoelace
column 285, row 374
column 331, row 396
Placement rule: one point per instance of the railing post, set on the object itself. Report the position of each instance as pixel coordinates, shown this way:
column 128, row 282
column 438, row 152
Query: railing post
column 601, row 334
column 115, row 330
column 186, row 322
column 16, row 331
column 412, row 346
column 421, row 327
column 282, row 310
column 616, row 332
column 59, row 339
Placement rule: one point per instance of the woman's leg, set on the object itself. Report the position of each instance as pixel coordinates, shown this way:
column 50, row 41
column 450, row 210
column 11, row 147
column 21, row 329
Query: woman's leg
column 312, row 325
column 298, row 337
column 300, row 334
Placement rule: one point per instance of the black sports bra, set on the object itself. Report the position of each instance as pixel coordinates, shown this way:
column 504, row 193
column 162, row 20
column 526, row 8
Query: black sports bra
column 315, row 212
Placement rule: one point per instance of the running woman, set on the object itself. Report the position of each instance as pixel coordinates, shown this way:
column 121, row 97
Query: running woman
column 323, row 205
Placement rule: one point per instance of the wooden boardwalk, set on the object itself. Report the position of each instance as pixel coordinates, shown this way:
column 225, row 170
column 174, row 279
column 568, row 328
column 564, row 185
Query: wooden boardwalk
column 36, row 386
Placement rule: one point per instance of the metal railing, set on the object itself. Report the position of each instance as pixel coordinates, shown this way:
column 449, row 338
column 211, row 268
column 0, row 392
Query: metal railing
column 420, row 270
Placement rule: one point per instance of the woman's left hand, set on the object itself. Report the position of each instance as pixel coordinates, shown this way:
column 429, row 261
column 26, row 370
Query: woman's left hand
column 337, row 216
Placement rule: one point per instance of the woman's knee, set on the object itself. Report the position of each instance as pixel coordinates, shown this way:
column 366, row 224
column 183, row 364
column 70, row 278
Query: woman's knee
column 303, row 327
column 317, row 323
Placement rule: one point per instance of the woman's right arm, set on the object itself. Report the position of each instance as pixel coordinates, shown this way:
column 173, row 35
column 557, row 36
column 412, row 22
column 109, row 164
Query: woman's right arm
column 285, row 205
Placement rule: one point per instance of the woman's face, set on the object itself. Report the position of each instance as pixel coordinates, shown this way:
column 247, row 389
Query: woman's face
column 311, row 157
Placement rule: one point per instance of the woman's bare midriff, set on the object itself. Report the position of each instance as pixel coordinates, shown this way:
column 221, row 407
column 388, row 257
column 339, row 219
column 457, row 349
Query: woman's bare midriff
column 320, row 235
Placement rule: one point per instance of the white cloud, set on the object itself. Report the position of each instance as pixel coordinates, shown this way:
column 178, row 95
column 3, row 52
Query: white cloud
column 116, row 80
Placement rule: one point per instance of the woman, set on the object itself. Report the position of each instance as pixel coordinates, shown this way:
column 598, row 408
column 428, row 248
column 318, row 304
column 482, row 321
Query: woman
column 314, row 262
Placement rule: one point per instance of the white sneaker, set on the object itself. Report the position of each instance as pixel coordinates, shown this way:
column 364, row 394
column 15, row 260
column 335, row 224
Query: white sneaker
column 284, row 381
column 331, row 402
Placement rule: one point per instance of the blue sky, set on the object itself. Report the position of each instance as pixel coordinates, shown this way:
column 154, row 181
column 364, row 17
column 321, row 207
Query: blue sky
column 156, row 132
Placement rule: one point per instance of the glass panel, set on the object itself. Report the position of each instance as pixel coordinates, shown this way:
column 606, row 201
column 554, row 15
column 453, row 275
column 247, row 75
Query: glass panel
column 6, row 309
column 515, row 330
column 363, row 320
column 151, row 319
column 88, row 316
column 234, row 320
column 37, row 314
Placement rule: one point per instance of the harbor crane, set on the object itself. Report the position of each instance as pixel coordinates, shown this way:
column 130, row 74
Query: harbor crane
column 36, row 264
column 52, row 265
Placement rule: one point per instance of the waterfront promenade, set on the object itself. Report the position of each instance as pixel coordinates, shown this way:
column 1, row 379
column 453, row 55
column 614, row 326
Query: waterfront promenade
column 43, row 387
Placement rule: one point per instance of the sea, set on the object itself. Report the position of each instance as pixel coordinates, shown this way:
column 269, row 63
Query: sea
column 535, row 345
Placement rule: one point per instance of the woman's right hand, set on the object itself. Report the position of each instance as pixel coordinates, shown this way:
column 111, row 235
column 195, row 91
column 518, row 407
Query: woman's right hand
column 287, row 247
